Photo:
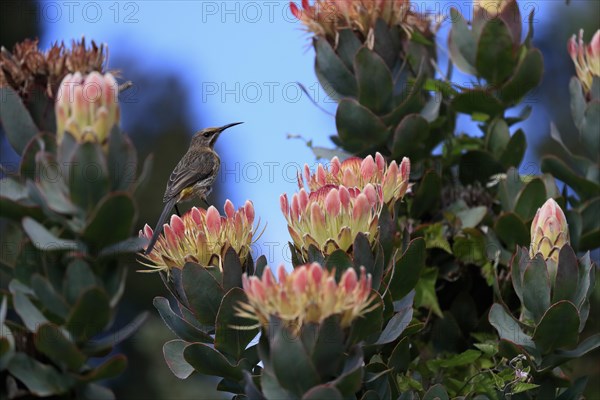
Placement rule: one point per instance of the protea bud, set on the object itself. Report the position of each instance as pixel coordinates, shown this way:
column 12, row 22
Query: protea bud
column 391, row 180
column 309, row 294
column 331, row 217
column 87, row 107
column 586, row 58
column 202, row 236
column 549, row 233
column 506, row 10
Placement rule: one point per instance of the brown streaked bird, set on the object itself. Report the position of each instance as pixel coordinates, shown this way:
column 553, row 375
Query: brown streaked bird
column 193, row 175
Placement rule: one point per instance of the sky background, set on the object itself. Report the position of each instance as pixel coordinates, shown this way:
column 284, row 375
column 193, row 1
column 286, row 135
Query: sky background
column 241, row 61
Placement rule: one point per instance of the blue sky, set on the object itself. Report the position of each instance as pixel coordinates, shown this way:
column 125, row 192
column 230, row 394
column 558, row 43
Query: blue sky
column 240, row 61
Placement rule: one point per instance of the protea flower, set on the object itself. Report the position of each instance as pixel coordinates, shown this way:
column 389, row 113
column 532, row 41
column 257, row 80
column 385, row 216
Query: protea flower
column 331, row 217
column 326, row 17
column 202, row 236
column 28, row 66
column 586, row 58
column 309, row 294
column 356, row 173
column 549, row 233
column 87, row 107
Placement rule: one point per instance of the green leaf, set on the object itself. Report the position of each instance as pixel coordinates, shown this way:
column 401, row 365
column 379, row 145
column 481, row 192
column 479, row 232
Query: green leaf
column 209, row 361
column 374, row 81
column 111, row 221
column 425, row 291
column 347, row 47
column 88, row 175
column 43, row 239
column 508, row 328
column 90, row 315
column 323, row 392
column 408, row 269
column 40, row 379
column 578, row 102
column 122, row 161
column 16, row 120
column 477, row 101
column 575, row 392
column 436, row 392
column 561, row 171
column 51, row 341
column 471, row 217
column 590, row 134
column 29, row 313
column 428, row 195
column 106, row 343
column 329, row 346
column 462, row 44
column 497, row 137
column 520, row 387
column 457, row 360
column 515, row 150
column 332, row 70
column 395, row 326
column 349, row 381
column 48, row 296
column 29, row 167
column 536, row 288
column 363, row 257
column 173, row 352
column 511, row 229
column 178, row 325
column 400, row 357
column 232, row 270
column 286, row 347
column 78, row 279
column 110, row 368
column 565, row 287
column 478, row 166
column 561, row 356
column 229, row 338
column 559, row 327
column 338, row 261
column 358, row 128
column 203, row 292
column 530, row 198
column 129, row 245
column 410, row 136
column 495, row 59
column 94, row 391
column 527, row 76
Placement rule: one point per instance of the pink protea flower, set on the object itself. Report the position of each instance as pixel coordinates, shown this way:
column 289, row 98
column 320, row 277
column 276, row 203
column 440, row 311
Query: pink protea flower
column 549, row 233
column 326, row 17
column 331, row 217
column 202, row 236
column 586, row 58
column 355, row 172
column 87, row 107
column 309, row 294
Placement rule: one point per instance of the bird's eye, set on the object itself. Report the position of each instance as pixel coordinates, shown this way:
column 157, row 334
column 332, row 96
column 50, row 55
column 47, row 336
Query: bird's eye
column 207, row 134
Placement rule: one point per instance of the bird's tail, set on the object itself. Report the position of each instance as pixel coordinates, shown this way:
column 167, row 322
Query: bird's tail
column 159, row 226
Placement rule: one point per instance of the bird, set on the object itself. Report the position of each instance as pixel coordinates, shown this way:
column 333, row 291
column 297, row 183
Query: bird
column 193, row 175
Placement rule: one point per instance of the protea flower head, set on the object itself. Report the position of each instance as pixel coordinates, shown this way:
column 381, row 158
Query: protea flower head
column 202, row 236
column 331, row 217
column 549, row 233
column 355, row 172
column 28, row 66
column 309, row 294
column 326, row 17
column 87, row 107
column 586, row 58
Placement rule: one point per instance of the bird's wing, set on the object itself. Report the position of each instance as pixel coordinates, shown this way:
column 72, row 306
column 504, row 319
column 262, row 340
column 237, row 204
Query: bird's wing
column 192, row 168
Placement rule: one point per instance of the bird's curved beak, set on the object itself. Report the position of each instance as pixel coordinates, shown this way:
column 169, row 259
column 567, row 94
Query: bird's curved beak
column 221, row 129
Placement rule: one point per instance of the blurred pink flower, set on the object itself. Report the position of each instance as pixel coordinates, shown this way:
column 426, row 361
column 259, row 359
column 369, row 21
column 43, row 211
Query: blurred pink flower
column 586, row 58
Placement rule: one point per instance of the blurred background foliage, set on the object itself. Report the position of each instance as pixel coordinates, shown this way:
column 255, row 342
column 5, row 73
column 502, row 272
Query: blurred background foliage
column 160, row 118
